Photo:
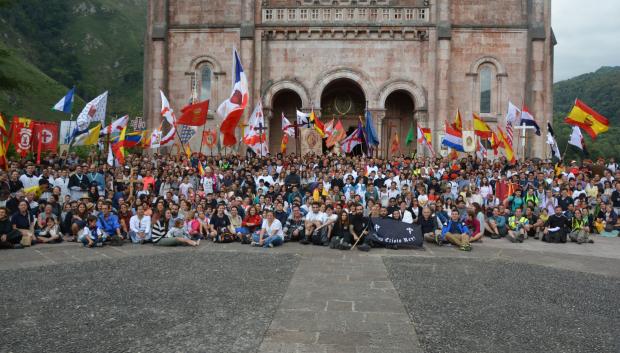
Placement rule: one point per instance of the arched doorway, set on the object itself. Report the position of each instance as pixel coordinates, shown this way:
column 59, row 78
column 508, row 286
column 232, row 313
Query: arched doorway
column 399, row 110
column 285, row 101
column 343, row 99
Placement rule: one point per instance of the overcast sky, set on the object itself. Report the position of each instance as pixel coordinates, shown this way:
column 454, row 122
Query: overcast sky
column 588, row 34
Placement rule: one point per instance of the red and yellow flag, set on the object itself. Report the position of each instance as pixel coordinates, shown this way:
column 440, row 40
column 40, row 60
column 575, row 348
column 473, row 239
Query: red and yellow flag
column 506, row 145
column 588, row 119
column 118, row 148
column 458, row 121
column 395, row 143
column 318, row 125
column 481, row 128
column 284, row 143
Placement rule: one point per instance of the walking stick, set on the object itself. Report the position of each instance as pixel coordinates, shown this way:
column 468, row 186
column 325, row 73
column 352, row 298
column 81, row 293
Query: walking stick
column 361, row 236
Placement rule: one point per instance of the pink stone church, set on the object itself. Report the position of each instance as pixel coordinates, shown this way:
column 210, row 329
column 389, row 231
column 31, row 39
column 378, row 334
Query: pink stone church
column 407, row 61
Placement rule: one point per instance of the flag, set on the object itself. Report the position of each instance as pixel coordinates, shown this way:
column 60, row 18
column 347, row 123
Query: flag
column 337, row 135
column 329, row 128
column 287, row 127
column 110, row 158
column 65, row 104
column 318, row 125
column 588, row 119
column 47, row 134
column 116, row 126
column 166, row 111
column 186, row 133
column 302, row 118
column 509, row 133
column 168, row 139
column 118, row 148
column 352, row 140
column 469, row 141
column 507, row 147
column 513, row 116
column 481, row 151
column 410, row 138
column 424, row 138
column 481, row 128
column 255, row 136
column 3, row 162
column 232, row 108
column 551, row 141
column 201, row 169
column 132, row 139
column 458, row 121
column 527, row 119
column 3, row 131
column 371, row 134
column 284, row 143
column 576, row 139
column 88, row 138
column 453, row 138
column 155, row 140
column 210, row 138
column 21, row 131
column 194, row 114
column 395, row 143
column 495, row 143
column 93, row 111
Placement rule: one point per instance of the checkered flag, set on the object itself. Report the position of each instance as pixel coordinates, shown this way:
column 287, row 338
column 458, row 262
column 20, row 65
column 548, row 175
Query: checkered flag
column 186, row 133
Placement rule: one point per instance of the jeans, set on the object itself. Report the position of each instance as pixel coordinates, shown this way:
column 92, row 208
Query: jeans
column 136, row 240
column 274, row 240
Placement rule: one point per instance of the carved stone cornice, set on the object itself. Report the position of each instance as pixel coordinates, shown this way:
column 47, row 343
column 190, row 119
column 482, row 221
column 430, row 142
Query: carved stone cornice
column 346, row 33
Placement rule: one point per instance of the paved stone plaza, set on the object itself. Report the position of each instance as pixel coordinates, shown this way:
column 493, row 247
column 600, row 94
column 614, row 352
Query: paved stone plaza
column 502, row 297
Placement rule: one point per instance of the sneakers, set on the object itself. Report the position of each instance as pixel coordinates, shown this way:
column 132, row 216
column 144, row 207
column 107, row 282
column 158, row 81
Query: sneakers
column 465, row 247
column 304, row 241
column 98, row 245
column 364, row 248
column 270, row 245
column 254, row 243
column 438, row 240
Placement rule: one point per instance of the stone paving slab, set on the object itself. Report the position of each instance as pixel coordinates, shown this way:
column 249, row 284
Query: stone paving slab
column 330, row 307
column 473, row 305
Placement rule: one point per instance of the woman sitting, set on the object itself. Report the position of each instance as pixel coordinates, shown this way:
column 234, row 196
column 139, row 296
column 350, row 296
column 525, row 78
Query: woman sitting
column 579, row 229
column 341, row 234
column 270, row 234
column 177, row 235
column 50, row 233
column 473, row 226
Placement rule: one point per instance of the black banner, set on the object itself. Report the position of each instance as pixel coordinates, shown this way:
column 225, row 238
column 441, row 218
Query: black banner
column 389, row 232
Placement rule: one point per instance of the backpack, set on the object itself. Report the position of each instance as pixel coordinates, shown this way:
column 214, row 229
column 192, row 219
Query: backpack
column 225, row 236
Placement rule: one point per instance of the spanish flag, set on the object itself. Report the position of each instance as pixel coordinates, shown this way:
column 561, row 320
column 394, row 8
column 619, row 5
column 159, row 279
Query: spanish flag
column 3, row 130
column 284, row 143
column 201, row 170
column 506, row 145
column 586, row 118
column 481, row 129
column 318, row 125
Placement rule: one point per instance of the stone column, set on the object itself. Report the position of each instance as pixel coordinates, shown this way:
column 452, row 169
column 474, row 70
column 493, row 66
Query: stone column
column 155, row 60
column 443, row 59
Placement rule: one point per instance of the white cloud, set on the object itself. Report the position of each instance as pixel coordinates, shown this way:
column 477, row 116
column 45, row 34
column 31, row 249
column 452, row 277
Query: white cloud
column 588, row 36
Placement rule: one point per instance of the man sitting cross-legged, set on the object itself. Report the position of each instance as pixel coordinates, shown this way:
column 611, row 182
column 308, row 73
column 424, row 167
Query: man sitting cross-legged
column 430, row 227
column 518, row 226
column 314, row 219
column 456, row 232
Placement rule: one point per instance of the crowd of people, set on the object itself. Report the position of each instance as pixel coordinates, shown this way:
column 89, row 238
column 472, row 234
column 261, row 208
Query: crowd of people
column 326, row 200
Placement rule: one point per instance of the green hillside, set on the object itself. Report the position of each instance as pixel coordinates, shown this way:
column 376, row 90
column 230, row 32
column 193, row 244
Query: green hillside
column 601, row 91
column 96, row 45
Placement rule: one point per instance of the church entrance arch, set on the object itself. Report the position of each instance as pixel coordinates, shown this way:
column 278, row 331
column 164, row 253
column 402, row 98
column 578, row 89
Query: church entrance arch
column 284, row 101
column 399, row 112
column 343, row 99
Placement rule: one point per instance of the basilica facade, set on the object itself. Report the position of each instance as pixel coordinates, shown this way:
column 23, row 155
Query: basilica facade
column 409, row 62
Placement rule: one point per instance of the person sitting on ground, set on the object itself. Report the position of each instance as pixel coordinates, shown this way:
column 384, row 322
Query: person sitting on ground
column 192, row 225
column 555, row 228
column 314, row 219
column 91, row 235
column 518, row 226
column 109, row 225
column 579, row 229
column 341, row 234
column 140, row 227
column 473, row 226
column 322, row 234
column 271, row 234
column 252, row 221
column 219, row 223
column 429, row 227
column 50, row 233
column 177, row 235
column 535, row 222
column 456, row 232
column 23, row 221
column 294, row 227
column 9, row 238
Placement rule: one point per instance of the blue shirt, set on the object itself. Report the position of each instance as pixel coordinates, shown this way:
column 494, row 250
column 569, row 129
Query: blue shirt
column 108, row 225
column 455, row 228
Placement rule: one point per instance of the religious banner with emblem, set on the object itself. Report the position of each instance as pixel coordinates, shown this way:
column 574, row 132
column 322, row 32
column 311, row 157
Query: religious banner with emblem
column 48, row 133
column 209, row 138
column 389, row 232
column 21, row 132
column 311, row 142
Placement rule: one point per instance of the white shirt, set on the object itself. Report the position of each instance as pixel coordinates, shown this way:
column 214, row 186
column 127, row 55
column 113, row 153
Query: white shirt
column 207, row 184
column 29, row 181
column 140, row 225
column 184, row 188
column 311, row 216
column 63, row 184
column 407, row 217
column 275, row 229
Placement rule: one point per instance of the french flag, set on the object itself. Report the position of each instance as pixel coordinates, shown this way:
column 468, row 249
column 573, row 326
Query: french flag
column 453, row 139
column 527, row 119
column 65, row 103
column 232, row 109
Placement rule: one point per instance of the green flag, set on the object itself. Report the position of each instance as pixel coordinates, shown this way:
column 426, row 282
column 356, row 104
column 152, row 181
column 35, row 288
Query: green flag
column 410, row 138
